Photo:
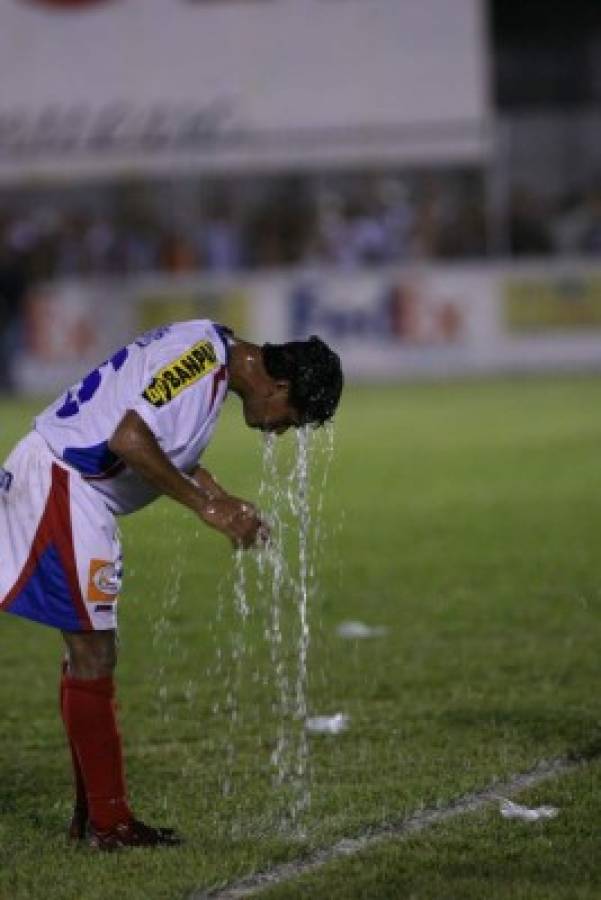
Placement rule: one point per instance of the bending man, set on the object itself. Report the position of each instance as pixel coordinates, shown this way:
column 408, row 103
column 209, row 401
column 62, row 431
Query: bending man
column 130, row 431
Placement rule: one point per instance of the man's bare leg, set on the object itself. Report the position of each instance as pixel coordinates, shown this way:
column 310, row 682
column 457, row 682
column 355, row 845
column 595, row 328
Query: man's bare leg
column 91, row 654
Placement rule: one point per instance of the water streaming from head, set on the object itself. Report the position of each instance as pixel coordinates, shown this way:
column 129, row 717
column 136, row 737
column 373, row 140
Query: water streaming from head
column 272, row 571
column 294, row 504
column 298, row 497
column 278, row 583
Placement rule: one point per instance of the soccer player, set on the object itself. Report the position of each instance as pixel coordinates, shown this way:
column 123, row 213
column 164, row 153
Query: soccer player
column 131, row 430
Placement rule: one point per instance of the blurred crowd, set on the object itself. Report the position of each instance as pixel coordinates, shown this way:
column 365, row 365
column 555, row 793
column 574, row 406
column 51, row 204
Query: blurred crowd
column 571, row 224
column 361, row 221
column 229, row 227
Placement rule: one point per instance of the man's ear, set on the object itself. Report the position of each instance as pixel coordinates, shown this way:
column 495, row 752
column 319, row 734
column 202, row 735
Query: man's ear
column 282, row 388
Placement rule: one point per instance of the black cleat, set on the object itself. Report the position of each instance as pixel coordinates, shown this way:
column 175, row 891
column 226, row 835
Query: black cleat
column 132, row 834
column 78, row 826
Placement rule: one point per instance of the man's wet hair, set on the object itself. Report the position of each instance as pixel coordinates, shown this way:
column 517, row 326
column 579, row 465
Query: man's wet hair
column 314, row 373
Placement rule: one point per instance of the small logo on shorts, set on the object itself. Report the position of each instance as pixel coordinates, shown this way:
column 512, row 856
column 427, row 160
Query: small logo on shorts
column 104, row 582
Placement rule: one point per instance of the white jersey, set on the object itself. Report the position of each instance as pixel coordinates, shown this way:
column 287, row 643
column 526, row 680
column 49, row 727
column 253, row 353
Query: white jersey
column 174, row 377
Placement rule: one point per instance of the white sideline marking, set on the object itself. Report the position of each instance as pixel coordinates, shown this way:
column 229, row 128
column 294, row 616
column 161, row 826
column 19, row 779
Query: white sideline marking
column 246, row 887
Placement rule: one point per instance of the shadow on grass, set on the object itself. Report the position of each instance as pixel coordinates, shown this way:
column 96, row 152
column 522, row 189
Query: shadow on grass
column 30, row 786
column 578, row 732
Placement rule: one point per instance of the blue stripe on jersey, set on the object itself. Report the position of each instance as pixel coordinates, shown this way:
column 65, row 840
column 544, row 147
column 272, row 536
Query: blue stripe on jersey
column 91, row 461
column 224, row 333
column 46, row 597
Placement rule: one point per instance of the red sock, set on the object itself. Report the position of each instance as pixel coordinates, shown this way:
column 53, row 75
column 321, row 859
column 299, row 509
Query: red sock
column 80, row 791
column 91, row 723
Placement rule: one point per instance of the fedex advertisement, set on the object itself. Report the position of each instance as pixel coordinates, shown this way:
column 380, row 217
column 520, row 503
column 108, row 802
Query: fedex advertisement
column 387, row 323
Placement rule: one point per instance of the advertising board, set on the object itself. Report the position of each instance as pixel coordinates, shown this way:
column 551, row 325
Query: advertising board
column 69, row 327
column 567, row 301
column 419, row 322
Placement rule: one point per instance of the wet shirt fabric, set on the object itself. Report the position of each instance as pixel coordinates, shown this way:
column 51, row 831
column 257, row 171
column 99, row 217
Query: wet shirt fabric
column 175, row 378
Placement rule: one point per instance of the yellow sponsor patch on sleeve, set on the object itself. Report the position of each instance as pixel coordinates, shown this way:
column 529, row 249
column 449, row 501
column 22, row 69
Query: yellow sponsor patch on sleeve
column 184, row 371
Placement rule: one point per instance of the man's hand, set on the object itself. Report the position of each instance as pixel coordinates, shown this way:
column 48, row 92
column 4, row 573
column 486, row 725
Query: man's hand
column 237, row 519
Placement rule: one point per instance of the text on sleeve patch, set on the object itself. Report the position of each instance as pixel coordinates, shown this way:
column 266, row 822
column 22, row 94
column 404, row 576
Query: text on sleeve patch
column 179, row 374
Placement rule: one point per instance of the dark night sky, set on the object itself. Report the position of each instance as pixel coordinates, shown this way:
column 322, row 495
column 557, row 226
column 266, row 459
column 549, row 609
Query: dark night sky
column 536, row 20
column 546, row 54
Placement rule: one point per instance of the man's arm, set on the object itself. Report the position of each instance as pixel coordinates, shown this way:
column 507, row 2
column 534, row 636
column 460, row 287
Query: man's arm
column 205, row 481
column 136, row 445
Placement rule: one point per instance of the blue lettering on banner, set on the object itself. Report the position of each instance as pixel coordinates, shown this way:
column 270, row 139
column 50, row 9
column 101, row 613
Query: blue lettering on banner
column 311, row 312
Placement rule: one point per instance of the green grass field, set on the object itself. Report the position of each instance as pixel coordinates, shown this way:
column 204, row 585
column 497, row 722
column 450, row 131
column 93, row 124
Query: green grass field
column 466, row 519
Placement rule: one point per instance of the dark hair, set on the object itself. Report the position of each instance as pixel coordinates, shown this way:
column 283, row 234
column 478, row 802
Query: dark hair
column 314, row 373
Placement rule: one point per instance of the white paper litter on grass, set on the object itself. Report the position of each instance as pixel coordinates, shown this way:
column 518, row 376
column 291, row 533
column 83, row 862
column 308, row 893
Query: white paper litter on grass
column 510, row 810
column 353, row 629
column 328, row 724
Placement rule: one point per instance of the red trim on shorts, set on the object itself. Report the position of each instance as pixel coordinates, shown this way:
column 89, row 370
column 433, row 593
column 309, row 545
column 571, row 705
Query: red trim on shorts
column 55, row 527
